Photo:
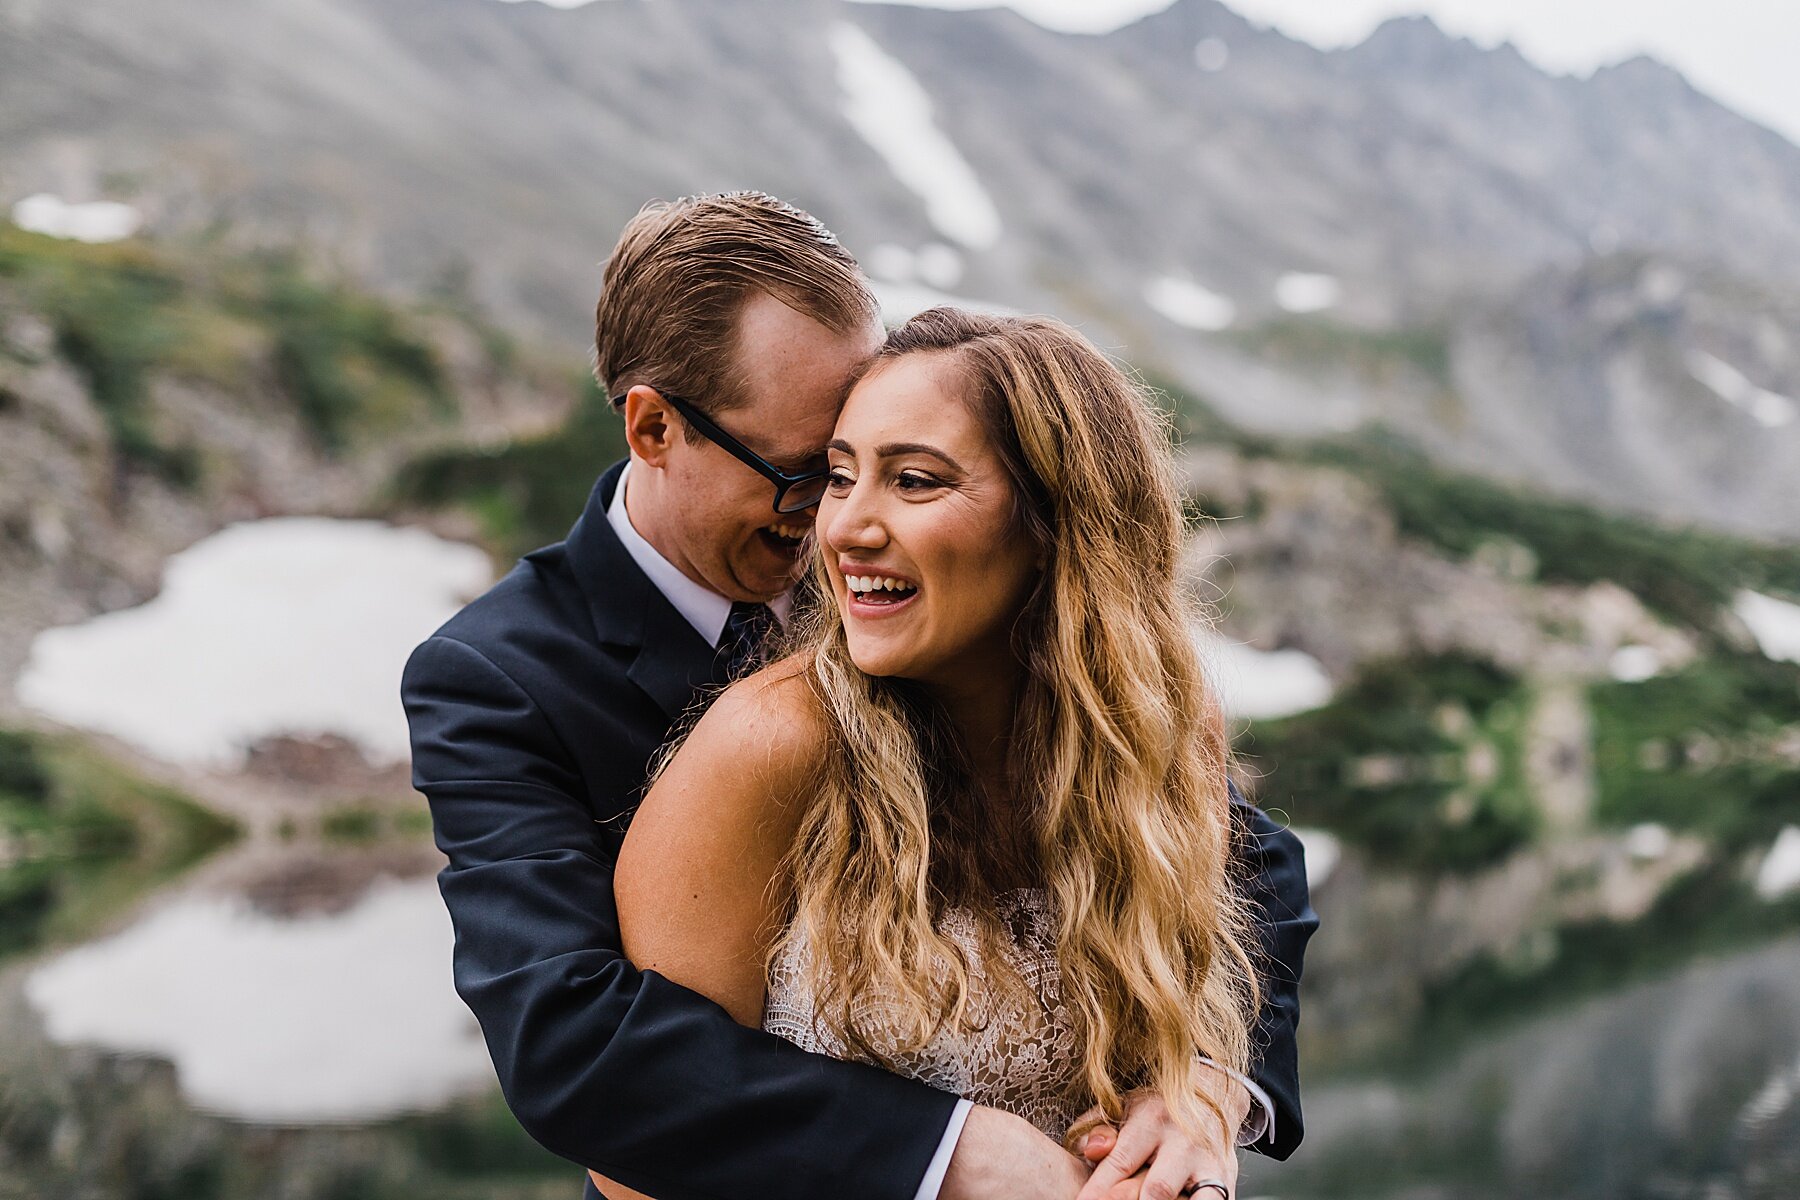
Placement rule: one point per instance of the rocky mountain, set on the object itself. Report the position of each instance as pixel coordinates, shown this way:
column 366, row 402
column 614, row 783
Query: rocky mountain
column 1414, row 231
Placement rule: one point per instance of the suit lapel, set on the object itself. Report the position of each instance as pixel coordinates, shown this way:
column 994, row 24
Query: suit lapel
column 674, row 663
column 671, row 662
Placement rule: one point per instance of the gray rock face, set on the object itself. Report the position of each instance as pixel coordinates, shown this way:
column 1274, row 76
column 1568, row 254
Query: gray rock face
column 1636, row 383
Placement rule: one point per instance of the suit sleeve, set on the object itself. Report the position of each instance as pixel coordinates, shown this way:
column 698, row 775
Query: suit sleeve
column 1275, row 881
column 620, row 1071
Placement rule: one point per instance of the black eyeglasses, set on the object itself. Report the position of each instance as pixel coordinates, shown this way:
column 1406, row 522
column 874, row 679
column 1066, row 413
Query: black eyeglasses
column 793, row 493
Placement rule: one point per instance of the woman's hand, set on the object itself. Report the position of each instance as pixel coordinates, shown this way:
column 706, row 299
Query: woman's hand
column 1151, row 1136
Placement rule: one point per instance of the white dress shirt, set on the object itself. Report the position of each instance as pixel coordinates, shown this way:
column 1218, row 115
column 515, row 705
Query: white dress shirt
column 705, row 609
column 707, row 612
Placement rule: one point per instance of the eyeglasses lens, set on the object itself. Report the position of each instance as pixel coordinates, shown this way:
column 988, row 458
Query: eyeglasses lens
column 802, row 495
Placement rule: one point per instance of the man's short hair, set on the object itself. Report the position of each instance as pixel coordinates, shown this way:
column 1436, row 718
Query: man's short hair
column 679, row 277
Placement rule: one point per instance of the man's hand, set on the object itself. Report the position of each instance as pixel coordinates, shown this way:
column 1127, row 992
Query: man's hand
column 1151, row 1136
column 1003, row 1157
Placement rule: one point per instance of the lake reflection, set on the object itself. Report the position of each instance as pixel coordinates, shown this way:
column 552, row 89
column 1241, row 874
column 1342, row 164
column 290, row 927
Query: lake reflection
column 292, row 625
column 1682, row 1087
column 345, row 1016
column 282, row 1020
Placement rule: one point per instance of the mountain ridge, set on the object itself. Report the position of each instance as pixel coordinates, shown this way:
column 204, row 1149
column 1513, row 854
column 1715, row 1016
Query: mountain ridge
column 409, row 142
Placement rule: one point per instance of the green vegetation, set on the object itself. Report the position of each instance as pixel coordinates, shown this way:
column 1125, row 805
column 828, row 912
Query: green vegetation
column 127, row 313
column 343, row 358
column 529, row 492
column 1462, row 1155
column 1713, row 748
column 1686, row 575
column 371, row 822
column 1375, row 354
column 1711, row 911
column 23, row 777
column 80, row 838
column 351, row 825
column 138, row 1146
column 1419, row 762
column 108, row 306
column 480, row 1141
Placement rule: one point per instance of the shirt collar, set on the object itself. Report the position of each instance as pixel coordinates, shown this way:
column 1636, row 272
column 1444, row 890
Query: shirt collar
column 705, row 609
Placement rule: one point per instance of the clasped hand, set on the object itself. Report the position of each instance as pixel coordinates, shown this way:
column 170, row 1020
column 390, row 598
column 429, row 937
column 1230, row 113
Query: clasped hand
column 1151, row 1158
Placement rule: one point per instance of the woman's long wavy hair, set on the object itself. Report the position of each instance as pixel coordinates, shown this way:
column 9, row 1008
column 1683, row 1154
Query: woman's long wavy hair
column 1117, row 761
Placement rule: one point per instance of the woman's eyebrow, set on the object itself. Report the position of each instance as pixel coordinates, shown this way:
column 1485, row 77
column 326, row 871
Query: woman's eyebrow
column 896, row 449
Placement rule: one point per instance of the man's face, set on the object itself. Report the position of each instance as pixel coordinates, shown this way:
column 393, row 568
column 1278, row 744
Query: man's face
column 723, row 525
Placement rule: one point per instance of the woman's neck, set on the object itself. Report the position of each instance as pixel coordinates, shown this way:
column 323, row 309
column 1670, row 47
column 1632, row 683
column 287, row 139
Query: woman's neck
column 981, row 713
column 980, row 705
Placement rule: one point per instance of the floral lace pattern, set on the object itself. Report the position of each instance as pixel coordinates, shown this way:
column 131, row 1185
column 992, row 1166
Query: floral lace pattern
column 1021, row 1055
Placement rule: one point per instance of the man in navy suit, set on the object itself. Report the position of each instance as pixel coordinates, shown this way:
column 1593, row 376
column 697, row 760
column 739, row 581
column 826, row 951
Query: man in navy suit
column 727, row 331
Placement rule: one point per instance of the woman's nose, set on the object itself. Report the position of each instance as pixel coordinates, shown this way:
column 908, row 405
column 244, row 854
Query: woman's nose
column 853, row 521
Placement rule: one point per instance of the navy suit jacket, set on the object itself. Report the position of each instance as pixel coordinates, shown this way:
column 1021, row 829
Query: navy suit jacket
column 535, row 713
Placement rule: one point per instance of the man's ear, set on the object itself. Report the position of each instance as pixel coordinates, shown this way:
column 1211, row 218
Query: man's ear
column 650, row 425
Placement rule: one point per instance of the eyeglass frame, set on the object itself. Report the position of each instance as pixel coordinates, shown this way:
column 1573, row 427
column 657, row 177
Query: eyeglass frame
column 709, row 430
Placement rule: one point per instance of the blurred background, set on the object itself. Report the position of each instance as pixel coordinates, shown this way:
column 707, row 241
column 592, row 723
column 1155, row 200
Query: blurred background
column 1486, row 358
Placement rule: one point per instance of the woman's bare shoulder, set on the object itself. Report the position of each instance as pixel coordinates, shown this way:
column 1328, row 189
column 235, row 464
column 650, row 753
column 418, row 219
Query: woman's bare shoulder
column 697, row 880
column 762, row 739
column 771, row 724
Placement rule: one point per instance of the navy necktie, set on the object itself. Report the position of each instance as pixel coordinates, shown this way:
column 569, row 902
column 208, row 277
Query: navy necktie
column 746, row 630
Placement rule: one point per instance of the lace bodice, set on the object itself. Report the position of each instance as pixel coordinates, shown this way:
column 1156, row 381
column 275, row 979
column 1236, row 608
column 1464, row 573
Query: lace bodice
column 1021, row 1058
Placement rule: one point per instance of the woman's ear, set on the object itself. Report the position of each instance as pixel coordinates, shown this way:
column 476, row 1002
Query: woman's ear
column 650, row 427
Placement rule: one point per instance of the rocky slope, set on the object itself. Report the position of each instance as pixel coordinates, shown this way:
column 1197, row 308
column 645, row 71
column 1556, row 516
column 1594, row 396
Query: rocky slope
column 1555, row 760
column 1195, row 191
column 148, row 398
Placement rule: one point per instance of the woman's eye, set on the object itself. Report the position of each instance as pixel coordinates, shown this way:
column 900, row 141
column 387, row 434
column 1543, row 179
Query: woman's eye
column 913, row 481
column 837, row 481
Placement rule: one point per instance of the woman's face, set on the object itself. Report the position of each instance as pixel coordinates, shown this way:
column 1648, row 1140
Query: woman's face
column 927, row 564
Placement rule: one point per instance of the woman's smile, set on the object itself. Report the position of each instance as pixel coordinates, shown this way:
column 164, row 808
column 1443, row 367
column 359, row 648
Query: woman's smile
column 874, row 593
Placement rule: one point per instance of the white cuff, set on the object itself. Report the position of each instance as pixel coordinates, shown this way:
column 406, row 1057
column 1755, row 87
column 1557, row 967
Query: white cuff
column 1259, row 1122
column 940, row 1162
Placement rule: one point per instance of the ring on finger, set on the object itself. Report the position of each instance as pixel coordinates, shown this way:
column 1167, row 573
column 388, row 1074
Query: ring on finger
column 1218, row 1185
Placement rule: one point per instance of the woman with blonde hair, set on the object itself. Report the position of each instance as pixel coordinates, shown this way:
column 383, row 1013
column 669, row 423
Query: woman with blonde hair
column 975, row 827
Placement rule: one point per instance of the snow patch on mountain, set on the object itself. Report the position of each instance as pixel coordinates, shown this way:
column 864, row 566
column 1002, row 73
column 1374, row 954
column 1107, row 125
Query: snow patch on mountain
column 1768, row 408
column 96, row 221
column 891, row 110
column 1190, row 304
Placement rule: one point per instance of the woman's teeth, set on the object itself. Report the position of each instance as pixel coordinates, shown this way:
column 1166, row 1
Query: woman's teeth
column 877, row 583
column 792, row 533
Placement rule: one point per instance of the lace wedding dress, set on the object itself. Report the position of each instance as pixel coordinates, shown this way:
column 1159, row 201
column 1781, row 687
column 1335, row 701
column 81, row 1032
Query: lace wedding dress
column 1021, row 1058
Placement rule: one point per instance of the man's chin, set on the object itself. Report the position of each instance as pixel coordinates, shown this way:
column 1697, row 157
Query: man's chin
column 773, row 569
column 778, row 548
column 764, row 585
